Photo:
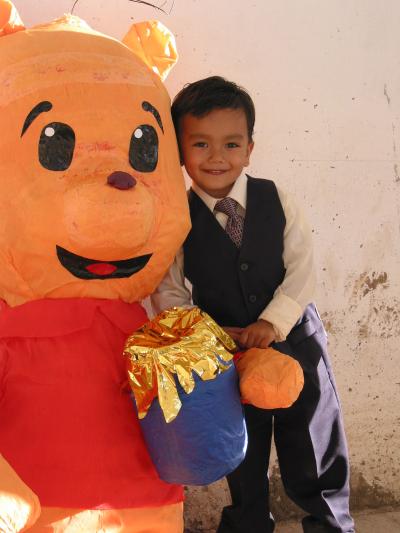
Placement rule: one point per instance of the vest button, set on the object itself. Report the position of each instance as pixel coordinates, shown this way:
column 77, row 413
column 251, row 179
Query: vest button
column 252, row 298
column 244, row 267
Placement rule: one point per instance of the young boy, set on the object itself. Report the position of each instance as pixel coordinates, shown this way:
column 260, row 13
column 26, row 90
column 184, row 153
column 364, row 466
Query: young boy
column 249, row 259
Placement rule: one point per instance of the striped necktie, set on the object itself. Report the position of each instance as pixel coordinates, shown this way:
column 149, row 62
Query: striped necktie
column 235, row 222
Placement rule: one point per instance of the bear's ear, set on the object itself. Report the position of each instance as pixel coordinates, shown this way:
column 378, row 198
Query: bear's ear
column 10, row 21
column 154, row 44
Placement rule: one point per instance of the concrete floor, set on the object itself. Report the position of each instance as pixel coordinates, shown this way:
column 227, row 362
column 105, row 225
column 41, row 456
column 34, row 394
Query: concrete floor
column 372, row 521
column 385, row 520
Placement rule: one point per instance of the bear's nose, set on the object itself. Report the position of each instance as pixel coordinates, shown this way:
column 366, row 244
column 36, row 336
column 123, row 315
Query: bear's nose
column 121, row 180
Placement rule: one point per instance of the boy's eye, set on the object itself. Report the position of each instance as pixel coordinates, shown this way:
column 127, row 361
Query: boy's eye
column 143, row 149
column 200, row 144
column 232, row 145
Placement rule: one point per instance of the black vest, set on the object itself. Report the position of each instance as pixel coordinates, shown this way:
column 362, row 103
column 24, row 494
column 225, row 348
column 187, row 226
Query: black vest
column 234, row 286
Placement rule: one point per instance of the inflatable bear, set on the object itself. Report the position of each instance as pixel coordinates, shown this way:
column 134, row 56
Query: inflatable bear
column 93, row 210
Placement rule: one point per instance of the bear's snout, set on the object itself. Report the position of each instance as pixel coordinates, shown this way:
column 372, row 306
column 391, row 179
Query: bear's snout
column 121, row 180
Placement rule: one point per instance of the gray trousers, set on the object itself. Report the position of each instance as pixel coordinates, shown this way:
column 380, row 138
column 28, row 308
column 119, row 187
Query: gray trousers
column 310, row 443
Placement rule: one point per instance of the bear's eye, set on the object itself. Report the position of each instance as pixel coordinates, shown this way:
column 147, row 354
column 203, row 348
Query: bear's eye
column 56, row 146
column 143, row 150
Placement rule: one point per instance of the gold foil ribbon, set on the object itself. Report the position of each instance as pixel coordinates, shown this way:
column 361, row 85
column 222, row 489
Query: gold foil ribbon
column 178, row 341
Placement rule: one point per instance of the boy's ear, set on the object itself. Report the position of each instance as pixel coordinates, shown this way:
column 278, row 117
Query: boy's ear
column 250, row 147
column 154, row 44
column 10, row 21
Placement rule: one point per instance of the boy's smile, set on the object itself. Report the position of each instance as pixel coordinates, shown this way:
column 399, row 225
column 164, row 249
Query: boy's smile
column 215, row 148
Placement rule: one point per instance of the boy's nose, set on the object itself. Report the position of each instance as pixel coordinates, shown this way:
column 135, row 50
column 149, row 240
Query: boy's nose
column 216, row 155
column 121, row 180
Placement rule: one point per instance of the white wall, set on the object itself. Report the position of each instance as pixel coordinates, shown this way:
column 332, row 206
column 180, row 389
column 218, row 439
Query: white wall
column 325, row 77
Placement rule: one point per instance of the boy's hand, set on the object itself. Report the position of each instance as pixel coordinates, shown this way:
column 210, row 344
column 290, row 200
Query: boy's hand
column 233, row 332
column 260, row 334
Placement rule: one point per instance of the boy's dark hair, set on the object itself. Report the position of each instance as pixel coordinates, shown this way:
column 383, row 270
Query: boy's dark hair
column 201, row 97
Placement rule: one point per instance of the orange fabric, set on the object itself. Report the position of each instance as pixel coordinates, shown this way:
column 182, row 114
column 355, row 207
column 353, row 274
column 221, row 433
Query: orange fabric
column 269, row 379
column 97, row 86
column 155, row 44
column 10, row 21
column 166, row 519
column 19, row 506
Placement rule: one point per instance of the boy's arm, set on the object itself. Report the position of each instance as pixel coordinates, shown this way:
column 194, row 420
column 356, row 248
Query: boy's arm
column 172, row 290
column 297, row 288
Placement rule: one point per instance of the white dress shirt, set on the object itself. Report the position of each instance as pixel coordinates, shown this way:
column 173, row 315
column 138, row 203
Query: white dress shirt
column 298, row 285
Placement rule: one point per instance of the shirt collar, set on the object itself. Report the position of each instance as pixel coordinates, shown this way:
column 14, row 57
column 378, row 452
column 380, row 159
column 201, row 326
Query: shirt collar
column 238, row 193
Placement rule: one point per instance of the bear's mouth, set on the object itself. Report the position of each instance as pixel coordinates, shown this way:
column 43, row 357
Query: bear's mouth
column 84, row 268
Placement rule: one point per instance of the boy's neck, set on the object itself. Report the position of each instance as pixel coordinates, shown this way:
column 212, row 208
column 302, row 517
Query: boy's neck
column 238, row 192
column 198, row 189
column 239, row 182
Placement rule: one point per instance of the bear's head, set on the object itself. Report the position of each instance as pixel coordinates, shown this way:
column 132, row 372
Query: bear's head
column 92, row 196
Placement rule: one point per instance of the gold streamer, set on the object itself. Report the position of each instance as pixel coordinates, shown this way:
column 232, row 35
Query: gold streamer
column 178, row 341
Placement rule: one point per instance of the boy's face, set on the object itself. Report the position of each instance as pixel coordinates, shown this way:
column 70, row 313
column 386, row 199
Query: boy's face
column 215, row 149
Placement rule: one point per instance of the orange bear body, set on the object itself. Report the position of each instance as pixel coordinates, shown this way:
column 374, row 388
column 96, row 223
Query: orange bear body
column 93, row 211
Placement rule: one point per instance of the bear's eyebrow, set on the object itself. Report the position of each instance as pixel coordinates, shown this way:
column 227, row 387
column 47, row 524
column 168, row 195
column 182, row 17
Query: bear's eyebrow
column 148, row 107
column 42, row 107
